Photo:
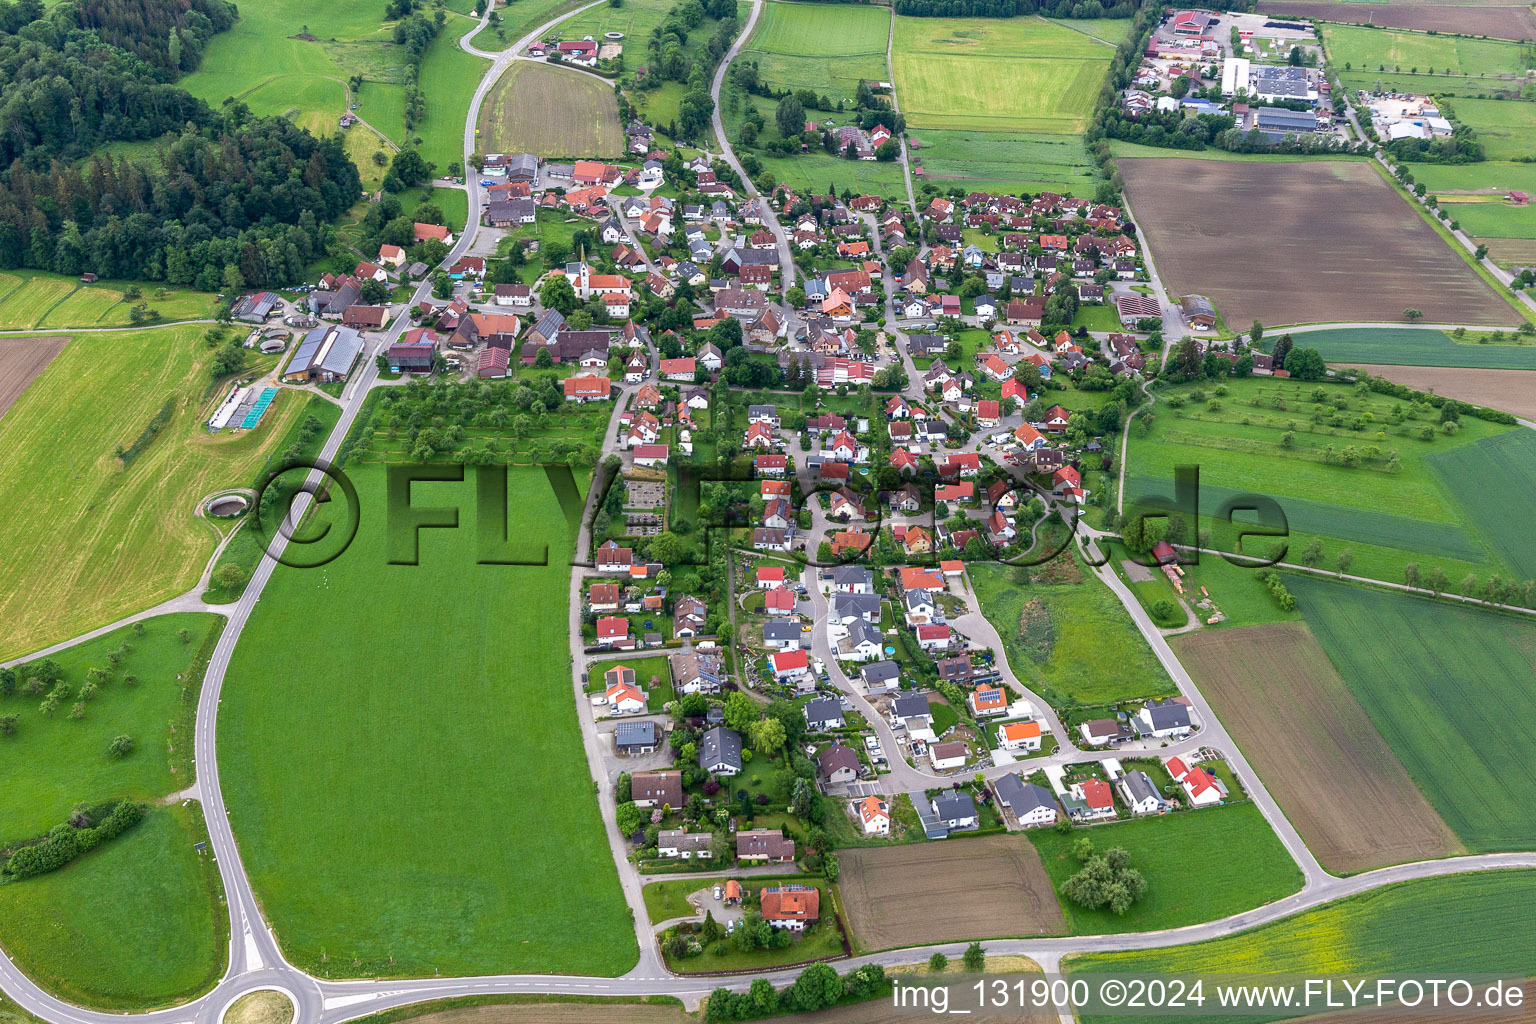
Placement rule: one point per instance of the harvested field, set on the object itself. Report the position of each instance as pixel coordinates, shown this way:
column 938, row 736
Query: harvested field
column 1513, row 391
column 973, row 889
column 551, row 112
column 552, row 1013
column 1338, row 243
column 1502, row 21
column 1296, row 720
column 21, row 360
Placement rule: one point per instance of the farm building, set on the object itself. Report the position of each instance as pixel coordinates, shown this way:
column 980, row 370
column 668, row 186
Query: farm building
column 326, row 354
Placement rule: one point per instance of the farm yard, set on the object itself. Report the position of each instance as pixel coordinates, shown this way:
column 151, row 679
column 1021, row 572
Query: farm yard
column 21, row 360
column 1450, row 694
column 1080, row 646
column 89, row 539
column 1342, row 244
column 1412, row 346
column 1386, row 518
column 418, row 881
column 1248, row 867
column 1019, row 75
column 1513, row 391
column 989, row 887
column 1317, row 750
column 1508, row 20
column 578, row 115
column 1461, row 923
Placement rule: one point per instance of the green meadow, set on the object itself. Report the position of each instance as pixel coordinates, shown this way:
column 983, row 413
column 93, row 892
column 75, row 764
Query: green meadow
column 422, row 718
column 1409, row 346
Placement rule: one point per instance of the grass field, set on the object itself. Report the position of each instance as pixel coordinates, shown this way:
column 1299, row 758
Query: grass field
column 1462, row 923
column 978, row 74
column 88, row 540
column 579, row 114
column 134, row 924
column 1098, row 655
column 1386, row 517
column 1369, row 49
column 30, row 298
column 820, row 47
column 1407, row 346
column 450, row 76
column 1015, row 162
column 1504, row 127
column 477, row 718
column 993, row 887
column 1243, row 866
column 1318, row 731
column 1451, row 694
column 55, row 763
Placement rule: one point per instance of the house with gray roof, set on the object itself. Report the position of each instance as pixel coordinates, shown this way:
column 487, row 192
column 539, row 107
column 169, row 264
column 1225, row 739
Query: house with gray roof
column 823, row 713
column 881, row 676
column 636, row 737
column 1030, row 805
column 1140, row 795
column 1161, row 720
column 720, row 751
column 851, row 607
column 955, row 809
column 782, row 634
column 853, row 579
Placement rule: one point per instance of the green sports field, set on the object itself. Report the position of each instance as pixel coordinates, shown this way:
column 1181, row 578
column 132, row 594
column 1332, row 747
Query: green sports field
column 1439, row 927
column 1385, row 517
column 1098, row 654
column 1255, row 867
column 1451, row 694
column 422, row 719
column 136, row 922
column 89, row 540
column 1370, row 49
column 1408, row 346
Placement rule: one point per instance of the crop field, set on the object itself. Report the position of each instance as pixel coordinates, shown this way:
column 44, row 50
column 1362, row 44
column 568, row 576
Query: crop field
column 1505, row 468
column 1408, row 346
column 479, row 724
column 1003, row 161
column 1254, row 867
column 1511, row 20
column 1513, row 391
column 54, row 763
column 1370, row 49
column 21, row 360
column 1342, row 244
column 1096, row 654
column 137, row 923
column 89, row 540
column 1317, row 731
column 1240, row 447
column 992, row 887
column 551, row 112
column 1451, row 694
column 977, row 74
column 1460, row 923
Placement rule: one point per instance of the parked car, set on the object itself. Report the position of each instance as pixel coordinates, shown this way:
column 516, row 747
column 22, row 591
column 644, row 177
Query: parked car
column 719, row 892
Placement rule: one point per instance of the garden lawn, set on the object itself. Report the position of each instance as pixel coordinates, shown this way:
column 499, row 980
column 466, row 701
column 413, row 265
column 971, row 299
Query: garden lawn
column 1458, row 924
column 1098, row 655
column 137, row 923
column 54, row 763
column 88, row 540
column 434, row 744
column 1407, row 346
column 1254, row 867
column 1451, row 693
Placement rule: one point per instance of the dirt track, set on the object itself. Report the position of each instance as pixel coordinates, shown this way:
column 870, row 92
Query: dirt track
column 1513, row 391
column 1317, row 750
column 993, row 887
column 21, row 360
column 1288, row 242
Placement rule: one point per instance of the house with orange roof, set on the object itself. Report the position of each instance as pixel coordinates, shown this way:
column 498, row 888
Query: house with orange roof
column 875, row 813
column 1091, row 799
column 987, row 701
column 791, row 906
column 1019, row 736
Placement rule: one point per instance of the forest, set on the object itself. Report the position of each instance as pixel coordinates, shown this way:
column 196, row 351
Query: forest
column 225, row 201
